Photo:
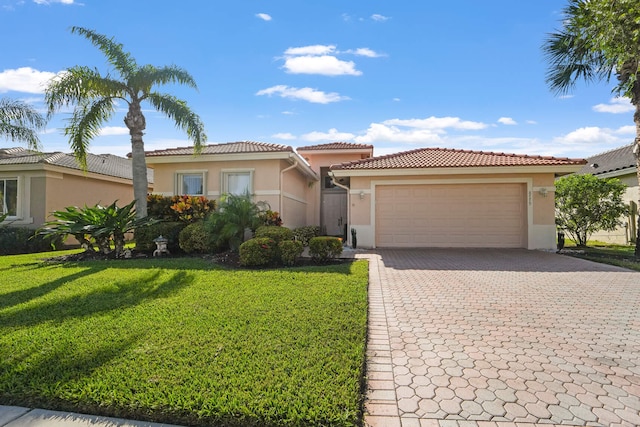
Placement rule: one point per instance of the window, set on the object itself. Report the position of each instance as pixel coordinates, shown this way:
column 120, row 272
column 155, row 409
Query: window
column 191, row 184
column 237, row 182
column 9, row 196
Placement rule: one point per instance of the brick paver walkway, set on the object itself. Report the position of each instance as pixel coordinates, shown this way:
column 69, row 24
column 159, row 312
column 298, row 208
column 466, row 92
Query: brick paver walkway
column 501, row 338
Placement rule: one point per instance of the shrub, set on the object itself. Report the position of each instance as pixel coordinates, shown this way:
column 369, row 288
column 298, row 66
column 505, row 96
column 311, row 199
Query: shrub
column 21, row 240
column 171, row 230
column 305, row 234
column 276, row 233
column 194, row 239
column 324, row 248
column 257, row 252
column 270, row 217
column 179, row 208
column 101, row 226
column 289, row 251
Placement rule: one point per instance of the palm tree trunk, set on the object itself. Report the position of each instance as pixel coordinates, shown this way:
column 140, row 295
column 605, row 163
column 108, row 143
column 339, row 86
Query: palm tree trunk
column 636, row 151
column 136, row 123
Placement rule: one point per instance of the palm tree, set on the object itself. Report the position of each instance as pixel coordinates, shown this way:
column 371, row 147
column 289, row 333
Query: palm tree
column 599, row 39
column 95, row 96
column 20, row 122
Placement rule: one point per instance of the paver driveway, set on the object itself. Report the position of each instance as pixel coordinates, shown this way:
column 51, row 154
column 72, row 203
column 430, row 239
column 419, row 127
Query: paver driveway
column 499, row 338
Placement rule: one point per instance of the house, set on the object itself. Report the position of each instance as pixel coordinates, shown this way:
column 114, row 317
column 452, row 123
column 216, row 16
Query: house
column 618, row 163
column 431, row 197
column 33, row 184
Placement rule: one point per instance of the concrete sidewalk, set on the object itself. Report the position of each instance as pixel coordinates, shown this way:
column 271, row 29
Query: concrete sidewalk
column 16, row 416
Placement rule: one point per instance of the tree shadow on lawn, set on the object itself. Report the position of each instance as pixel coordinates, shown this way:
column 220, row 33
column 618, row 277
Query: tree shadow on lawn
column 127, row 294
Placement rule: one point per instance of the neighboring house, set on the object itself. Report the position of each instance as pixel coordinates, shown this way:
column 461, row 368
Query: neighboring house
column 33, row 185
column 618, row 163
column 420, row 198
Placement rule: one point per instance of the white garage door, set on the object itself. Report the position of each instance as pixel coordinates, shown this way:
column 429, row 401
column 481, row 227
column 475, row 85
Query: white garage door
column 451, row 215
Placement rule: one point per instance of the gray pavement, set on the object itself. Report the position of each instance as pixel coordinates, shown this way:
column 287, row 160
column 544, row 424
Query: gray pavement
column 497, row 338
column 15, row 416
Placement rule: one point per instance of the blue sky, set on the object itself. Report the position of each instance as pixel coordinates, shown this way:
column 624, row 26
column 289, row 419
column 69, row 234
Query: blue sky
column 396, row 74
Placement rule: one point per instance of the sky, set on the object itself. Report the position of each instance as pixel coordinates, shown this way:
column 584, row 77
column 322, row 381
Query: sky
column 399, row 75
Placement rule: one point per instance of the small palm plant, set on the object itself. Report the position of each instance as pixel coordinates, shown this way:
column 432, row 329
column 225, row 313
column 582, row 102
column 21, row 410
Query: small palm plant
column 235, row 215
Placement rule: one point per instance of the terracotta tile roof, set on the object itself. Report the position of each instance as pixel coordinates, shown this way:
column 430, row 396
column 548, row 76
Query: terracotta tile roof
column 610, row 161
column 103, row 164
column 337, row 146
column 226, row 148
column 451, row 158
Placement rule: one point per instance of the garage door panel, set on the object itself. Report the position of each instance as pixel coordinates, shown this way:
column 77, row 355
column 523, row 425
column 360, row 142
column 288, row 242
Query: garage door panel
column 455, row 215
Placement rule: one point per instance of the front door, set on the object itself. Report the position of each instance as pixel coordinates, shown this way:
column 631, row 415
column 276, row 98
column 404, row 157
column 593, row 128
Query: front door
column 334, row 212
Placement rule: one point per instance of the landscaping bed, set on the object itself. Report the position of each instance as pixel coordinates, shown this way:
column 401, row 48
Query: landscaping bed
column 184, row 341
column 620, row 255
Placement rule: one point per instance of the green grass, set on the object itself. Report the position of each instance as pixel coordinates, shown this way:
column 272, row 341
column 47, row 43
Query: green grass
column 183, row 341
column 607, row 253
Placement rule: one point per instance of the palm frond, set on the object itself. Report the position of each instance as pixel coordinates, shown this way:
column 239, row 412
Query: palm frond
column 20, row 122
column 79, row 84
column 85, row 123
column 148, row 75
column 114, row 51
column 184, row 118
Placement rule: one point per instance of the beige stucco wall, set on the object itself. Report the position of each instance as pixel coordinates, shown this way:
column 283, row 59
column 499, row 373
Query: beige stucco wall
column 289, row 199
column 40, row 192
column 540, row 208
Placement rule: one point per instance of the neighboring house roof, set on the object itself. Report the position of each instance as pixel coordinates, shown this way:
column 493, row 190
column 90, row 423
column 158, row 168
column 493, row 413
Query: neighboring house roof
column 226, row 148
column 102, row 164
column 336, row 146
column 618, row 159
column 452, row 158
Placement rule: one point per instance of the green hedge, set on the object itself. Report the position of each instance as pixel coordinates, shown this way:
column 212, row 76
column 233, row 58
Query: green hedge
column 21, row 240
column 171, row 230
column 194, row 238
column 306, row 233
column 274, row 232
column 324, row 248
column 289, row 251
column 257, row 252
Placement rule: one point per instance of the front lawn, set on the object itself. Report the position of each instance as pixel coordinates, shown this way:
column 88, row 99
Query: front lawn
column 607, row 253
column 183, row 341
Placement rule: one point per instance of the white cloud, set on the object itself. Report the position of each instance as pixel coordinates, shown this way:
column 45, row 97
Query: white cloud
column 316, row 49
column 438, row 124
column 507, row 121
column 532, row 122
column 396, row 99
column 24, row 79
column 48, row 2
column 325, row 65
column 626, row 130
column 305, row 93
column 264, row 16
column 365, row 51
column 114, row 130
column 566, row 96
column 616, row 106
column 380, row 132
column 332, row 135
column 589, row 135
column 379, row 18
column 285, row 135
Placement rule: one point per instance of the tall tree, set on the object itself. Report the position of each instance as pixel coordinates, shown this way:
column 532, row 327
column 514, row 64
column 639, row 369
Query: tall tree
column 94, row 97
column 599, row 39
column 19, row 122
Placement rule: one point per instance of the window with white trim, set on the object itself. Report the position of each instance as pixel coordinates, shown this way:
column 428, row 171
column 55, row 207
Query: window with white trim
column 237, row 182
column 191, row 183
column 9, row 196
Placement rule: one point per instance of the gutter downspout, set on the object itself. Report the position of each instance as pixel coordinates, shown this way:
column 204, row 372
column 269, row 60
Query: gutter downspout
column 347, row 189
column 293, row 166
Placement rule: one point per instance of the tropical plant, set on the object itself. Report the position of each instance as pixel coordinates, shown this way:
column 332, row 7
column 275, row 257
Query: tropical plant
column 95, row 97
column 235, row 215
column 599, row 39
column 194, row 238
column 586, row 204
column 20, row 122
column 101, row 226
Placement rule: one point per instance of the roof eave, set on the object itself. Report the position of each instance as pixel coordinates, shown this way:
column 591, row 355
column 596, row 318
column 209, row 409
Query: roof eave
column 557, row 169
column 221, row 157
